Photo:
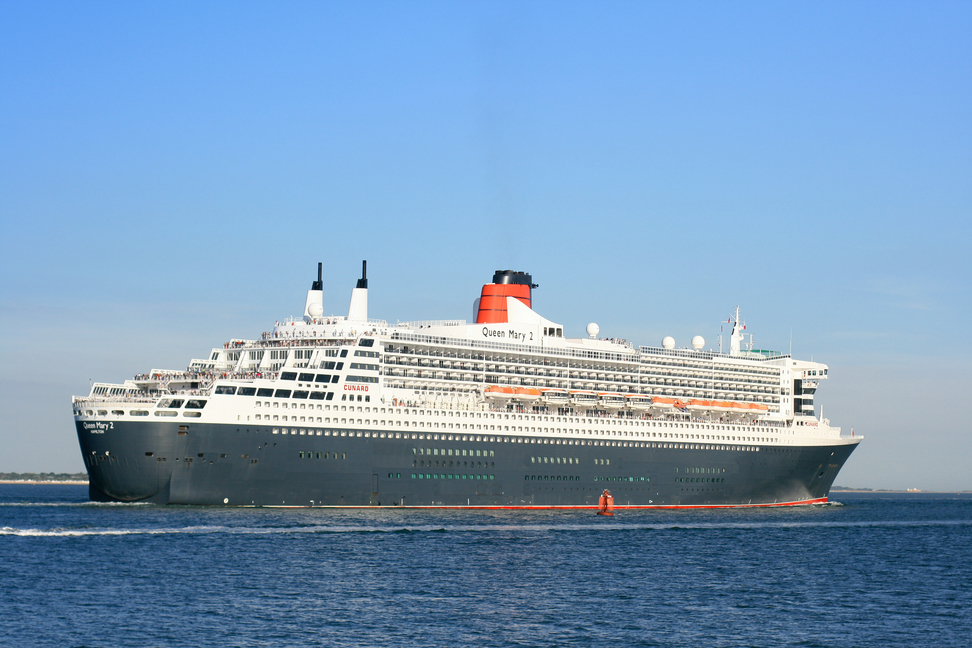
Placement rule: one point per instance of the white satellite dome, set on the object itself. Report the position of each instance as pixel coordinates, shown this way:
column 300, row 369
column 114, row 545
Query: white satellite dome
column 698, row 342
column 593, row 329
column 315, row 309
column 668, row 342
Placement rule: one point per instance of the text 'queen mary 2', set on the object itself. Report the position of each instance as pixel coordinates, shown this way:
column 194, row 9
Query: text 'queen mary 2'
column 503, row 412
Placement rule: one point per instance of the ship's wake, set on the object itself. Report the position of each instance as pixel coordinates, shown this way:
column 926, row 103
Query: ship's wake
column 60, row 532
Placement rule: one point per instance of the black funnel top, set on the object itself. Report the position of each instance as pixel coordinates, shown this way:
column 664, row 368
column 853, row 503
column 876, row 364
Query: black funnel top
column 363, row 281
column 513, row 277
column 318, row 285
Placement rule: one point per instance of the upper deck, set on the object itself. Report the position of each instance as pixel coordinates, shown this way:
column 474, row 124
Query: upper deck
column 525, row 360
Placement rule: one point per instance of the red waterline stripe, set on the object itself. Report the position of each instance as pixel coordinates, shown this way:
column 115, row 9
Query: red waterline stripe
column 589, row 507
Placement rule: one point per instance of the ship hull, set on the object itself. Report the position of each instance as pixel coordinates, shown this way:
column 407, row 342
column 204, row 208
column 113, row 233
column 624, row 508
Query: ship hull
column 222, row 464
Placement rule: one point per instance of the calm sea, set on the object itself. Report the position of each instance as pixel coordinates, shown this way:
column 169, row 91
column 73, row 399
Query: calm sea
column 871, row 570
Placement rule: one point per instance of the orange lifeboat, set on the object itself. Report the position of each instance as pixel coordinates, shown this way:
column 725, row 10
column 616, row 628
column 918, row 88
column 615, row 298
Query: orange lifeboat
column 527, row 394
column 662, row 402
column 605, row 504
column 499, row 392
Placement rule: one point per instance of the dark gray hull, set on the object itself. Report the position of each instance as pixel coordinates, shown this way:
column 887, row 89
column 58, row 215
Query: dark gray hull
column 249, row 466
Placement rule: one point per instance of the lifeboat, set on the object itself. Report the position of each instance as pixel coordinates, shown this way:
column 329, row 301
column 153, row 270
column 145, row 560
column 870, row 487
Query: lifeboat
column 527, row 394
column 662, row 403
column 638, row 402
column 498, row 392
column 583, row 397
column 699, row 405
column 611, row 400
column 554, row 395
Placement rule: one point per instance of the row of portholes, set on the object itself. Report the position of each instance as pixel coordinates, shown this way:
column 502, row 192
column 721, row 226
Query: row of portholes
column 463, row 464
column 325, row 455
column 450, row 476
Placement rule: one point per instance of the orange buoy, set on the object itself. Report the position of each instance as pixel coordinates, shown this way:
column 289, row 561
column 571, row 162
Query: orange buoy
column 605, row 505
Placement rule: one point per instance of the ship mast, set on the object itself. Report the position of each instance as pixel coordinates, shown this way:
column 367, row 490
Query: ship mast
column 736, row 338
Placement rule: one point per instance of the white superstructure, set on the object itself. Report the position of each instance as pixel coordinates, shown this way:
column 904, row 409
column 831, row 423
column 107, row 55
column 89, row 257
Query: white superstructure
column 518, row 376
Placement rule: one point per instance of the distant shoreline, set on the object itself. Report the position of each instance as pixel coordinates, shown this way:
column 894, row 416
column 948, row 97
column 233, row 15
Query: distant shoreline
column 892, row 491
column 63, row 482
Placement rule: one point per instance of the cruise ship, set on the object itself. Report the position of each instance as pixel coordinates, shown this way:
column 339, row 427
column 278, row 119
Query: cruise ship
column 503, row 411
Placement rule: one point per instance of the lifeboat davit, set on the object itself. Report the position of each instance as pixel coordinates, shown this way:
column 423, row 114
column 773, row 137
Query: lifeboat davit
column 605, row 504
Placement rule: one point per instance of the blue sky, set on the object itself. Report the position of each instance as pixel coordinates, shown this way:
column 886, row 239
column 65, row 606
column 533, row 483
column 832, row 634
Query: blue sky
column 171, row 173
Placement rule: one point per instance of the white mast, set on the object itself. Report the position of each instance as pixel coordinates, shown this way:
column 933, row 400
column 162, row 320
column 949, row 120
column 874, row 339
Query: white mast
column 736, row 338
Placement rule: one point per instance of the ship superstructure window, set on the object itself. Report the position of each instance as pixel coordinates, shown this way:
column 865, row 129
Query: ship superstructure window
column 300, row 394
column 362, row 365
column 362, row 379
column 225, row 389
column 366, row 342
column 265, row 392
column 323, row 378
column 288, row 375
column 246, row 391
column 306, row 377
column 282, row 393
column 366, row 354
column 195, row 404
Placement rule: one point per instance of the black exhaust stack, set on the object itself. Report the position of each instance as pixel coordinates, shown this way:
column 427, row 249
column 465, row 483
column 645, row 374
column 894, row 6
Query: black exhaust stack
column 318, row 285
column 363, row 281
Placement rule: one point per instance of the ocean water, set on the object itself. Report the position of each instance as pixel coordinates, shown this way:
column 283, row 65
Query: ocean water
column 873, row 570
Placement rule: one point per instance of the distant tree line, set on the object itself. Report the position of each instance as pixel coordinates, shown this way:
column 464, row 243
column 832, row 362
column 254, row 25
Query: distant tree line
column 42, row 477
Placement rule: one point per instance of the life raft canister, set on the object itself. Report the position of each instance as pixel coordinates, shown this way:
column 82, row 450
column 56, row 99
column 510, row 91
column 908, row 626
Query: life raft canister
column 605, row 505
